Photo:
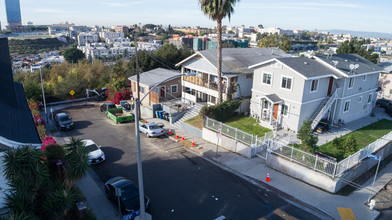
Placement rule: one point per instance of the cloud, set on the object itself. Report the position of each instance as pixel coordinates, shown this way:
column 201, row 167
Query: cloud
column 302, row 5
column 114, row 4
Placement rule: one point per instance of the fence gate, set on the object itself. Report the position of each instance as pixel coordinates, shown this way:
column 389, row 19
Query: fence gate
column 261, row 147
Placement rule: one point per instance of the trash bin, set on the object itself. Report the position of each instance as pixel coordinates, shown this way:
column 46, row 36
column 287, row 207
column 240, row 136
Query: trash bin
column 165, row 116
column 157, row 114
column 160, row 114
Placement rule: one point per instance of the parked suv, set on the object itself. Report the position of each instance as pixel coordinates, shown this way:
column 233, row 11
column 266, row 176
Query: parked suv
column 388, row 110
column 383, row 103
column 63, row 121
column 106, row 106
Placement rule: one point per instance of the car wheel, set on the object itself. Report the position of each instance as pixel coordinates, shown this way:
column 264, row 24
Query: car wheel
column 147, row 135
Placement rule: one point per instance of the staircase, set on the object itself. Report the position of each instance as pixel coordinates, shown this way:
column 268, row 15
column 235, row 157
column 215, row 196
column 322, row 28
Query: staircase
column 193, row 112
column 322, row 109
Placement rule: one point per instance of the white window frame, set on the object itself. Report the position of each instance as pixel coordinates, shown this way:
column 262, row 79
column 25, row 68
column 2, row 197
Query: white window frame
column 171, row 88
column 292, row 83
column 360, row 99
column 349, row 80
column 141, row 89
column 311, row 85
column 288, row 110
column 344, row 106
column 364, row 77
column 262, row 78
column 370, row 96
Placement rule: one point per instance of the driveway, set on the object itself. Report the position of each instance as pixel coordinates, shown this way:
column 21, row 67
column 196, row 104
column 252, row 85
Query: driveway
column 180, row 184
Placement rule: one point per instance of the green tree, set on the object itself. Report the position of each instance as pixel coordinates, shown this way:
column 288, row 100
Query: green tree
column 78, row 161
column 276, row 40
column 308, row 139
column 349, row 145
column 217, row 10
column 355, row 46
column 73, row 54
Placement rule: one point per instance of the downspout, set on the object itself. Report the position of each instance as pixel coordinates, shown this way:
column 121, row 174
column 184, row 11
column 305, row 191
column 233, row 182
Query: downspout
column 227, row 86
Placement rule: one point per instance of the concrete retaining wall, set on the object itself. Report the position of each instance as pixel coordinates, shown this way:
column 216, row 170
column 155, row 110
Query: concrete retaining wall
column 146, row 111
column 192, row 130
column 228, row 143
column 321, row 180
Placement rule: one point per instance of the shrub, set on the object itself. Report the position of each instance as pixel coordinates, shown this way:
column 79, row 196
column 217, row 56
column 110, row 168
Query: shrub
column 221, row 112
column 308, row 139
column 349, row 145
column 117, row 96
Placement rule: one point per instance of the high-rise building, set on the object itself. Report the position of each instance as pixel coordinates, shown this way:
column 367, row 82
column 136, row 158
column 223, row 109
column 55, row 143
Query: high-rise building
column 13, row 13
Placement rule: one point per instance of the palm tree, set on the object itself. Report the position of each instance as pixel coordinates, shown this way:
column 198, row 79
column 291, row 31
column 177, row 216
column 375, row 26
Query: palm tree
column 217, row 10
column 77, row 162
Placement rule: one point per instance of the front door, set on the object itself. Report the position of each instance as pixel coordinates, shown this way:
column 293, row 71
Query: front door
column 276, row 108
column 330, row 86
column 162, row 93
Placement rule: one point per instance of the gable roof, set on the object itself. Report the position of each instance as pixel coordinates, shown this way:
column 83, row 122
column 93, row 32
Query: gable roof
column 307, row 67
column 152, row 77
column 345, row 60
column 237, row 60
column 17, row 122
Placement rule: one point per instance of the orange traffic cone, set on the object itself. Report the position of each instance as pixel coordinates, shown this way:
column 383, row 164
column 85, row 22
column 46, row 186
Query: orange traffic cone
column 170, row 131
column 183, row 137
column 177, row 136
column 193, row 143
column 146, row 122
column 268, row 178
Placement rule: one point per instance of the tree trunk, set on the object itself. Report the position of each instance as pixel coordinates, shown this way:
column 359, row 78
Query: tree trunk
column 219, row 56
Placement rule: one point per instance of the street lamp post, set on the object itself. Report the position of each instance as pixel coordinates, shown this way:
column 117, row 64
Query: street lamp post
column 138, row 148
column 43, row 91
column 375, row 175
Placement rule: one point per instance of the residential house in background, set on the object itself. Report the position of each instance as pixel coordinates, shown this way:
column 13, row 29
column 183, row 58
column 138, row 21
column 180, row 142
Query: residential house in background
column 237, row 77
column 168, row 90
column 17, row 127
column 385, row 80
column 288, row 91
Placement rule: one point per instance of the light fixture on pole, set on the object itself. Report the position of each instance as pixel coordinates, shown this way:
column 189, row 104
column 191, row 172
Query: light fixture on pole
column 138, row 148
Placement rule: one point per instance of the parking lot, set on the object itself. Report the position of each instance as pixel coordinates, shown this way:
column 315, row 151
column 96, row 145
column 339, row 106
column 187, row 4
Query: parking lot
column 180, row 184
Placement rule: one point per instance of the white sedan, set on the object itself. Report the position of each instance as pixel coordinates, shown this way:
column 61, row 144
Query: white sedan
column 151, row 130
column 95, row 154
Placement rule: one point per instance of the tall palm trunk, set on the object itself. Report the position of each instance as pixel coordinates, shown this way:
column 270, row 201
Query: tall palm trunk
column 219, row 56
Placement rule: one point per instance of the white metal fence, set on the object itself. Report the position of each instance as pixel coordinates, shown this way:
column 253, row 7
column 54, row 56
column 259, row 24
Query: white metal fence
column 355, row 158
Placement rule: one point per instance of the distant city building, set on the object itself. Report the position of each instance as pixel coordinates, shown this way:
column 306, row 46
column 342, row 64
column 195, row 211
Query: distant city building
column 180, row 42
column 14, row 19
column 54, row 29
column 123, row 29
column 104, row 35
column 84, row 38
column 74, row 30
column 29, row 23
column 274, row 30
column 150, row 46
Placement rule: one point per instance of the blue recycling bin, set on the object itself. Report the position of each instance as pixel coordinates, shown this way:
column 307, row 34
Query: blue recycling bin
column 160, row 114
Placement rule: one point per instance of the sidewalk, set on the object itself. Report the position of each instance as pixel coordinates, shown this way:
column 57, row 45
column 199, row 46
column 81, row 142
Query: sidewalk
column 96, row 199
column 255, row 168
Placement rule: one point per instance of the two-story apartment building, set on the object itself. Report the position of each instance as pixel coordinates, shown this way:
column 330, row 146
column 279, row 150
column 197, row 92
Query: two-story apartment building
column 203, row 88
column 288, row 91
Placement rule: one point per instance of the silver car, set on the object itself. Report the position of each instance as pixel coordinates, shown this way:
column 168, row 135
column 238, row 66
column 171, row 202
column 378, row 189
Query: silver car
column 151, row 130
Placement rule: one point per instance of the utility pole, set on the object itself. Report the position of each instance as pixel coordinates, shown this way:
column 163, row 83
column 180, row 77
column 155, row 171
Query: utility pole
column 137, row 76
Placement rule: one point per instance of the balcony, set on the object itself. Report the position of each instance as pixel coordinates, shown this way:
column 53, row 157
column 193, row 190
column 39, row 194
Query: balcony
column 204, row 82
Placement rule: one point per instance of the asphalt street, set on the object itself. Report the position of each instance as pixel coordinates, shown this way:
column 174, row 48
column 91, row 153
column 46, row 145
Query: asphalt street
column 180, row 184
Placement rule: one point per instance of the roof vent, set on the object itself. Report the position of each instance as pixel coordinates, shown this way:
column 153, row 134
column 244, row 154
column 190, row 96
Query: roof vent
column 335, row 63
column 306, row 63
column 346, row 60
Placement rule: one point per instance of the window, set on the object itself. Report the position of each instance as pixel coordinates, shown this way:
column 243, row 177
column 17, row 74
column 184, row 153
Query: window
column 267, row 77
column 286, row 82
column 346, row 106
column 351, row 83
column 174, row 88
column 249, row 76
column 265, row 104
column 360, row 99
column 285, row 110
column 141, row 89
column 314, row 85
column 370, row 98
column 364, row 78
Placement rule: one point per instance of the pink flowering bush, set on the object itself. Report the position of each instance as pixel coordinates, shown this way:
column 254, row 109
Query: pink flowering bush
column 117, row 96
column 48, row 140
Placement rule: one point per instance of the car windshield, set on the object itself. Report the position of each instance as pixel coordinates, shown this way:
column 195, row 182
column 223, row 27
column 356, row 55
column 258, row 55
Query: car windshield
column 92, row 147
column 111, row 106
column 63, row 118
column 129, row 192
column 154, row 127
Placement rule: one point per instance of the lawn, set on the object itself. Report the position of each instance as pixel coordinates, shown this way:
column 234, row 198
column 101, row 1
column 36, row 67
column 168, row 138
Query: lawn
column 363, row 136
column 247, row 124
column 196, row 122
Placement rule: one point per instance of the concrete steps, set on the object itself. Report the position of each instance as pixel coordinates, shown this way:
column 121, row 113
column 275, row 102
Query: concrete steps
column 193, row 112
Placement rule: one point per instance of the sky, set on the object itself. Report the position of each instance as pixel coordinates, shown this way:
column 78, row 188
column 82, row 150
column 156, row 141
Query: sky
column 355, row 15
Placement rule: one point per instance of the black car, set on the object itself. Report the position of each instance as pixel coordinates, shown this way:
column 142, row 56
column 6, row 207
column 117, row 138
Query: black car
column 129, row 199
column 388, row 110
column 383, row 103
column 63, row 121
column 107, row 106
